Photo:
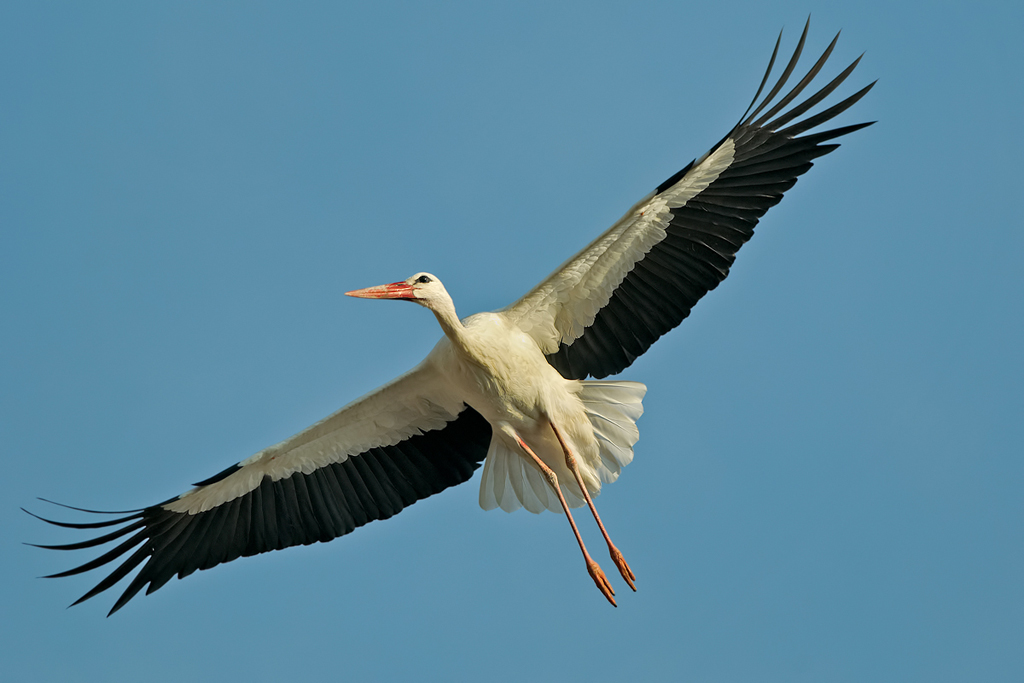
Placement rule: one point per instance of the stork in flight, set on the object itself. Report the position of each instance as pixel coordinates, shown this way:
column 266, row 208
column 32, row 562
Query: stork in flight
column 507, row 388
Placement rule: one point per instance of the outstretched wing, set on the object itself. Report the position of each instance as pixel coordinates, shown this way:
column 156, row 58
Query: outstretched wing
column 605, row 306
column 408, row 440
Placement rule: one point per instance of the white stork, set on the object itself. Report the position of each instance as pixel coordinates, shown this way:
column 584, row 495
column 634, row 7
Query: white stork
column 507, row 388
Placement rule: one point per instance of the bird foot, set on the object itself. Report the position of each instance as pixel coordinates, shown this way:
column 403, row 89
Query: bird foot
column 601, row 580
column 624, row 569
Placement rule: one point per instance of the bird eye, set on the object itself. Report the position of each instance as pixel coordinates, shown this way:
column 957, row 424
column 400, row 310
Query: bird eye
column 423, row 279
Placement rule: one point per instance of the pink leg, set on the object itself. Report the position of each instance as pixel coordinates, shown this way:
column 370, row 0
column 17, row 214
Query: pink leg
column 595, row 571
column 617, row 558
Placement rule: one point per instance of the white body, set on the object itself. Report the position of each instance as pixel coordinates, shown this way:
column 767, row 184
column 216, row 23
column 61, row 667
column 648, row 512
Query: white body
column 500, row 371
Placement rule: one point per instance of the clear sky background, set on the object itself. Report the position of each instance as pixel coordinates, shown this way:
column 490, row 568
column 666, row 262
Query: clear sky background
column 828, row 484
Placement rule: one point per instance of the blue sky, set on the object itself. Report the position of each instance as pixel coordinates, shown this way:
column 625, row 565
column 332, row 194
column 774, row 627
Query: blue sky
column 829, row 480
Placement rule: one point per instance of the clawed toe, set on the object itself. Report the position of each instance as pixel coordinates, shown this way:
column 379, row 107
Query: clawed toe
column 620, row 562
column 602, row 581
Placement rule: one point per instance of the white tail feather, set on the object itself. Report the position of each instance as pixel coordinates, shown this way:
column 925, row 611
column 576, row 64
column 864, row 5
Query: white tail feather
column 495, row 479
column 509, row 482
column 613, row 409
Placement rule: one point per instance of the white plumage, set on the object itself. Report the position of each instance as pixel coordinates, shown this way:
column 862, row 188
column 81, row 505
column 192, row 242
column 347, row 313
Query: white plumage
column 612, row 409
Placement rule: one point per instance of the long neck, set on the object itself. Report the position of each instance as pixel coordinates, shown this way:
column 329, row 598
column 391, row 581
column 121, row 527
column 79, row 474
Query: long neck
column 444, row 311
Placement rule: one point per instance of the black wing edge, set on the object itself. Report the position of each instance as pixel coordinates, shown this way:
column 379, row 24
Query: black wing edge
column 298, row 510
column 705, row 234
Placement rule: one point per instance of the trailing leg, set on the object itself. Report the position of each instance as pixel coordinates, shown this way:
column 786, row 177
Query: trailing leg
column 617, row 558
column 592, row 567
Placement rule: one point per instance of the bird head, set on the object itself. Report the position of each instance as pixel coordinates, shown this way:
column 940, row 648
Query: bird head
column 422, row 288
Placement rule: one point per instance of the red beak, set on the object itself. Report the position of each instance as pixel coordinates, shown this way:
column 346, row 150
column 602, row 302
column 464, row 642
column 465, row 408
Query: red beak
column 396, row 290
